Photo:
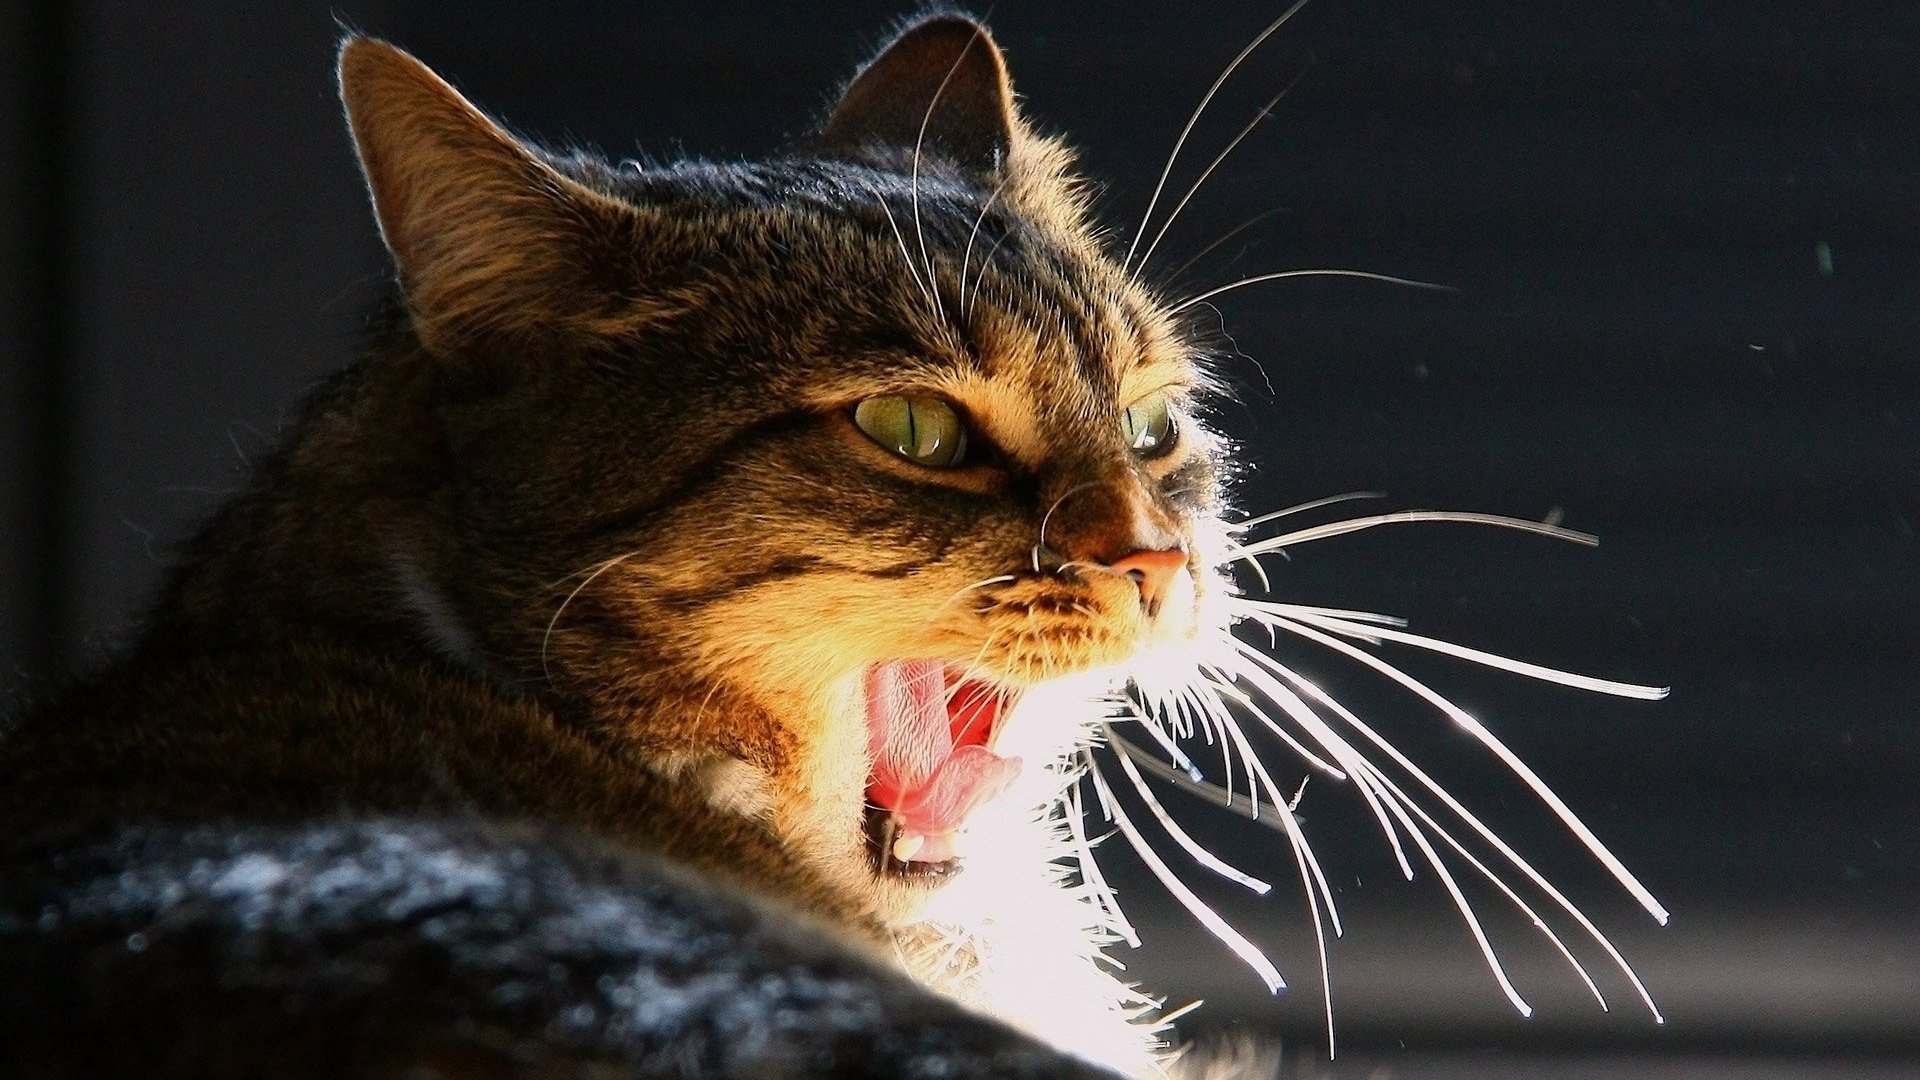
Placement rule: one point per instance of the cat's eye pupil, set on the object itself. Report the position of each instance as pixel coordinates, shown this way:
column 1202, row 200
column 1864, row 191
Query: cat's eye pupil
column 1148, row 426
column 924, row 430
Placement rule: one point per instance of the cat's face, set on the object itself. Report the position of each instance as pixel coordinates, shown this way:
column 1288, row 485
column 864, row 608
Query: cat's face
column 793, row 476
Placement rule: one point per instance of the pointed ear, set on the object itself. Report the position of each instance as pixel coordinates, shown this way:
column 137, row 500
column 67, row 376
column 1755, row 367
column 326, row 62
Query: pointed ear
column 942, row 86
column 487, row 237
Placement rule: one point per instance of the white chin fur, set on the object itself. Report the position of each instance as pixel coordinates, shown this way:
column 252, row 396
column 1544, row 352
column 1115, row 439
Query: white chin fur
column 1037, row 937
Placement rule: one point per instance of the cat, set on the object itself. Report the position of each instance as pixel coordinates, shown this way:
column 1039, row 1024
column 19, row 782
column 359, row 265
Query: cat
column 678, row 553
column 673, row 648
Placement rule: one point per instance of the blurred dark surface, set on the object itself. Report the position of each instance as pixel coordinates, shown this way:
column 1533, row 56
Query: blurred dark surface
column 1686, row 239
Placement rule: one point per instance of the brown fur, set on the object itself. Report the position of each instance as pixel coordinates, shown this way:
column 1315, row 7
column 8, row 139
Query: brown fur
column 590, row 536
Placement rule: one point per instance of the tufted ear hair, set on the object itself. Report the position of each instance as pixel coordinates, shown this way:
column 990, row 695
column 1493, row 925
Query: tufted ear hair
column 941, row 85
column 487, row 236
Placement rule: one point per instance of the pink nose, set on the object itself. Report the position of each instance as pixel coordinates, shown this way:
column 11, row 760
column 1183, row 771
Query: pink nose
column 1153, row 572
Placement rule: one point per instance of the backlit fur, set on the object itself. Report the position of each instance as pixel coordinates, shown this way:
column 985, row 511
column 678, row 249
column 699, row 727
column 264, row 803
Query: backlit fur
column 590, row 536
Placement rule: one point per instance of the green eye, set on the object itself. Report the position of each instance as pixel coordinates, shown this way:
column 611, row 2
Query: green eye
column 1148, row 426
column 924, row 430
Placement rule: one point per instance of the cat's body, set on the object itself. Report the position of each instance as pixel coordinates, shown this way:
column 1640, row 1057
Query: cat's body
column 670, row 649
column 622, row 586
column 459, row 949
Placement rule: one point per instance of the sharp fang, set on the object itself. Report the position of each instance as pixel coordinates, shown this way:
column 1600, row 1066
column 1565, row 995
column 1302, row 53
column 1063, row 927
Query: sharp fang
column 907, row 845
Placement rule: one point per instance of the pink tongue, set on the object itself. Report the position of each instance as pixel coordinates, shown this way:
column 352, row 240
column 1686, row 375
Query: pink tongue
column 928, row 783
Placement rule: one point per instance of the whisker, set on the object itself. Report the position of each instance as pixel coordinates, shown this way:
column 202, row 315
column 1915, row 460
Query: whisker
column 1294, row 744
column 1351, row 761
column 1472, row 821
column 547, row 636
column 901, row 239
column 1247, row 951
column 966, row 256
column 1241, row 553
column 1198, row 787
column 1492, row 660
column 1089, row 865
column 1048, row 516
column 1312, row 878
column 1300, row 508
column 1464, row 720
column 1280, row 275
column 1279, row 695
column 1370, row 617
column 1192, row 847
column 980, row 277
column 913, row 186
column 983, row 583
column 1160, row 736
column 1146, row 219
column 1351, row 525
column 1352, row 764
column 1192, row 707
column 1264, row 112
column 1402, row 805
column 1174, row 275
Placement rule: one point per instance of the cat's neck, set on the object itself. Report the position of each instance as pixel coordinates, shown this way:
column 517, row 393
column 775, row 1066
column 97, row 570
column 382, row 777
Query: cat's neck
column 335, row 539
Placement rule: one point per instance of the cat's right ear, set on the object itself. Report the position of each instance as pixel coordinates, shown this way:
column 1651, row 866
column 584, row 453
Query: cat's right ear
column 940, row 86
column 487, row 237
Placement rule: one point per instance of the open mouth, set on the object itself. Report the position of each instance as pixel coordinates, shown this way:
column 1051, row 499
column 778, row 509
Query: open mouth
column 929, row 730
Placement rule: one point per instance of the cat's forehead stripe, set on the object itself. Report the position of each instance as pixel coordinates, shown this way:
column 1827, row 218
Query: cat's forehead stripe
column 1067, row 315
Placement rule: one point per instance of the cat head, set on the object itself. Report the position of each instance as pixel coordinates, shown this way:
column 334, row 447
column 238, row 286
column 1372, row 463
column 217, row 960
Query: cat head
column 790, row 477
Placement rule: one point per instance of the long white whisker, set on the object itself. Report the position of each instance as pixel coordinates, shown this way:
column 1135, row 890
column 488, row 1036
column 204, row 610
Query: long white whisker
column 1192, row 847
column 966, row 256
column 1461, row 902
column 1166, row 742
column 901, row 239
column 1342, row 751
column 1312, row 759
column 1311, row 874
column 913, row 186
column 1312, row 878
column 1174, row 274
column 1371, row 618
column 1246, row 950
column 1280, row 275
column 1242, row 553
column 1403, row 804
column 1350, row 525
column 1467, row 914
column 1089, row 865
column 1373, row 783
column 1486, row 738
column 1303, row 858
column 1188, row 720
column 1146, row 219
column 1213, row 718
column 1265, row 111
column 1301, row 508
column 1519, row 863
column 1202, row 789
column 1492, row 660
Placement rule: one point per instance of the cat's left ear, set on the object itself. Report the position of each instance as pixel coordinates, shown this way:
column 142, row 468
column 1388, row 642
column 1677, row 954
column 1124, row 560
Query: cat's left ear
column 490, row 240
column 940, row 87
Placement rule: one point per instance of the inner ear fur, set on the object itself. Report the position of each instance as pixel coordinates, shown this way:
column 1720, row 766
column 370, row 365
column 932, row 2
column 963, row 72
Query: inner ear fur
column 940, row 86
column 488, row 238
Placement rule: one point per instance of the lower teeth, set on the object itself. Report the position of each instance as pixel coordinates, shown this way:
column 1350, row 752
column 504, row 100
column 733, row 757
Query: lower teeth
column 908, row 845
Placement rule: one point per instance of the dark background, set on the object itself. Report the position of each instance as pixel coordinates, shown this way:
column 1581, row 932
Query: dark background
column 1685, row 237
